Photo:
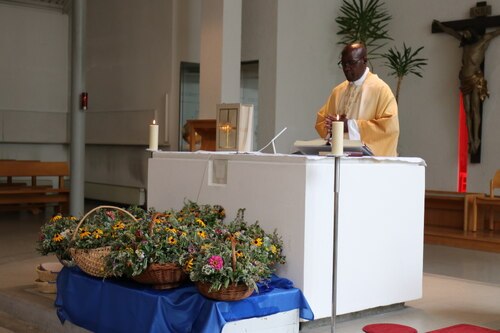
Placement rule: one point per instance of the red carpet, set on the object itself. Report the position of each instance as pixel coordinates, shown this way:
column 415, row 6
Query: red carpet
column 464, row 328
column 388, row 328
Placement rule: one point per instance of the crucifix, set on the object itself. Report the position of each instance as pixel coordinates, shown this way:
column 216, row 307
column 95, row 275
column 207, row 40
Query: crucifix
column 474, row 40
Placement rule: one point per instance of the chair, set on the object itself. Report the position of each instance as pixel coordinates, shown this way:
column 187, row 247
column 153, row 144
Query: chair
column 490, row 201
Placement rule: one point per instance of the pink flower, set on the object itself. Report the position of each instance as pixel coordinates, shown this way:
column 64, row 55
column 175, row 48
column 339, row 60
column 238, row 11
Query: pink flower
column 111, row 214
column 216, row 262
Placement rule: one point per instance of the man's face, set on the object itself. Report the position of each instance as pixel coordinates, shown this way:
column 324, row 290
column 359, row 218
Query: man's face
column 353, row 64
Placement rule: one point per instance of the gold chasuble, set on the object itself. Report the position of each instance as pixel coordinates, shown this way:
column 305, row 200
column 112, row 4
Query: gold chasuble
column 374, row 108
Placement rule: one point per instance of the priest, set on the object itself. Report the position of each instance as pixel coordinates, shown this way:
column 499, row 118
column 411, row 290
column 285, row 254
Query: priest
column 364, row 103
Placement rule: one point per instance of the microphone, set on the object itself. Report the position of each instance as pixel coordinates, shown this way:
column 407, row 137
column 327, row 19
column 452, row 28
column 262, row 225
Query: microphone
column 272, row 142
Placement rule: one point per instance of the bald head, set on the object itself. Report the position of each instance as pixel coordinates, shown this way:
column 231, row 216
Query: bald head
column 354, row 59
column 356, row 49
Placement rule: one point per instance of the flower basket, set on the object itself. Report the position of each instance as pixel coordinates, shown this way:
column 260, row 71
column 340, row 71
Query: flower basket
column 161, row 276
column 93, row 261
column 231, row 293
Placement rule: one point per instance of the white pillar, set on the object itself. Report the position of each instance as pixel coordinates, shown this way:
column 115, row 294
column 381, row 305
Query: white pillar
column 220, row 54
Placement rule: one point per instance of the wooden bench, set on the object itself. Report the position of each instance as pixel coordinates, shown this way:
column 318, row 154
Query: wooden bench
column 449, row 209
column 21, row 195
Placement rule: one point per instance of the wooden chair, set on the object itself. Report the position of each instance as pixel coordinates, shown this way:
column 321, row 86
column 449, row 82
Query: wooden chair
column 490, row 201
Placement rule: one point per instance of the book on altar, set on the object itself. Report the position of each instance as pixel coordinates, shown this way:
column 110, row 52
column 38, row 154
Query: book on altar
column 322, row 147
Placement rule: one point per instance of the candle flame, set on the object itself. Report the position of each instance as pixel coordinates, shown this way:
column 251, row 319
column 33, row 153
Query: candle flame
column 337, row 117
column 154, row 122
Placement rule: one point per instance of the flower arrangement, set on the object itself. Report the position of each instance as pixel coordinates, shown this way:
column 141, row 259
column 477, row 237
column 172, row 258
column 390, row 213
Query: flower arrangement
column 55, row 236
column 237, row 253
column 161, row 238
column 100, row 229
column 158, row 239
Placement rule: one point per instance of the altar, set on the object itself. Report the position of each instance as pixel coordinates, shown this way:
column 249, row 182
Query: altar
column 381, row 217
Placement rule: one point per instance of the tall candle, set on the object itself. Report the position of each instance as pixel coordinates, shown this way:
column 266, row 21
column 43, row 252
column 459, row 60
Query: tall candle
column 337, row 137
column 153, row 136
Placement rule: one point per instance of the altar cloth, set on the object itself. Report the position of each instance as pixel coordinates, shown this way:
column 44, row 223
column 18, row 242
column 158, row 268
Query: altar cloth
column 114, row 305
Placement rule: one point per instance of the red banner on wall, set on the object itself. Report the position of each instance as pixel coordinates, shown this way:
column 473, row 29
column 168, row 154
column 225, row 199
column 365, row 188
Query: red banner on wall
column 463, row 147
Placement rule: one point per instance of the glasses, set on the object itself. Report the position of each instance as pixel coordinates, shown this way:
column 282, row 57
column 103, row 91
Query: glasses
column 350, row 63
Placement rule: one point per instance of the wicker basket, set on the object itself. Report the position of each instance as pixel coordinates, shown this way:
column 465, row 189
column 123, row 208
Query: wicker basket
column 47, row 272
column 231, row 293
column 46, row 287
column 162, row 276
column 93, row 261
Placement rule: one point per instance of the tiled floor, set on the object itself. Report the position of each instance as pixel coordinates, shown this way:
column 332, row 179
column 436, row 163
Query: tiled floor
column 460, row 286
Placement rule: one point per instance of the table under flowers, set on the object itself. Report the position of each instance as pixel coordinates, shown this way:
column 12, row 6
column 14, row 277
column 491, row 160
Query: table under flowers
column 118, row 305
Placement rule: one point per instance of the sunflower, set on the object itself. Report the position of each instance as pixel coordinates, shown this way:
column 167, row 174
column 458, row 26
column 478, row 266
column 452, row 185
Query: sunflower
column 57, row 238
column 257, row 242
column 172, row 240
column 84, row 234
column 202, row 234
column 201, row 223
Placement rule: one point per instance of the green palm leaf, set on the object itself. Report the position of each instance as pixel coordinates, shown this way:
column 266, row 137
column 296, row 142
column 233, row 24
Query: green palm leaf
column 402, row 63
column 364, row 21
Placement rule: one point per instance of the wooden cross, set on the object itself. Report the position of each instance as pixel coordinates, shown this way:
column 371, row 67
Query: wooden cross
column 479, row 21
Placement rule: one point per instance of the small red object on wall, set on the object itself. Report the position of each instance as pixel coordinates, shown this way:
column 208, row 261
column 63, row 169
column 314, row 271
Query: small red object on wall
column 84, row 100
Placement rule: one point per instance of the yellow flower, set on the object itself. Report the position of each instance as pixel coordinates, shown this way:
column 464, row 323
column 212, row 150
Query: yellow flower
column 97, row 233
column 84, row 234
column 184, row 234
column 205, row 247
column 257, row 242
column 180, row 219
column 157, row 220
column 202, row 234
column 171, row 230
column 172, row 240
column 189, row 265
column 274, row 249
column 57, row 238
column 201, row 223
column 73, row 218
column 239, row 253
column 56, row 218
column 119, row 225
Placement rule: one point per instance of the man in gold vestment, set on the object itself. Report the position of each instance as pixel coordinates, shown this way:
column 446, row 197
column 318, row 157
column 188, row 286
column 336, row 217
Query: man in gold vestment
column 364, row 103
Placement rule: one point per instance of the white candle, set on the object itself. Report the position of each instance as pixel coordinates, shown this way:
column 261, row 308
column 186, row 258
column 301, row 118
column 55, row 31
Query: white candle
column 153, row 136
column 337, row 137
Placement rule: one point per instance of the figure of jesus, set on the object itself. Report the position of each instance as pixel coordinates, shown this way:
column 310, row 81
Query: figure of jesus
column 472, row 82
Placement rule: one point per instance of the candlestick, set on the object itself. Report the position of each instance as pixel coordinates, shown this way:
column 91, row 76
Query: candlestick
column 337, row 137
column 153, row 136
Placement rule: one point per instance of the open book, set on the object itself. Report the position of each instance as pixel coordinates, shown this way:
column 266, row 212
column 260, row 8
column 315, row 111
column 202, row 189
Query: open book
column 322, row 147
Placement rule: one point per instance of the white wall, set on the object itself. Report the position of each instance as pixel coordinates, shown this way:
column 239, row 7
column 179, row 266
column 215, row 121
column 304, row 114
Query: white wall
column 258, row 42
column 428, row 107
column 134, row 52
column 306, row 68
column 129, row 69
column 34, row 83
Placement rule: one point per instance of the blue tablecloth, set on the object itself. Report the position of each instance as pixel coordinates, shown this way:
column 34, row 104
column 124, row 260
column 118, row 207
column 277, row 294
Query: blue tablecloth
column 113, row 305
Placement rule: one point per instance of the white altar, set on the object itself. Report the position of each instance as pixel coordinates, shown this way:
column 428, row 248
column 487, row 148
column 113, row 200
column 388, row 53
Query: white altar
column 381, row 217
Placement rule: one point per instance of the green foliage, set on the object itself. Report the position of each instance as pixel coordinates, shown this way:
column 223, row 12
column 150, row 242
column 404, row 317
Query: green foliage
column 55, row 236
column 403, row 63
column 232, row 254
column 364, row 21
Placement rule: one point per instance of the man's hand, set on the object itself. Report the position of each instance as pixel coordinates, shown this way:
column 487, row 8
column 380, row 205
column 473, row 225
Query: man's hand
column 330, row 118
